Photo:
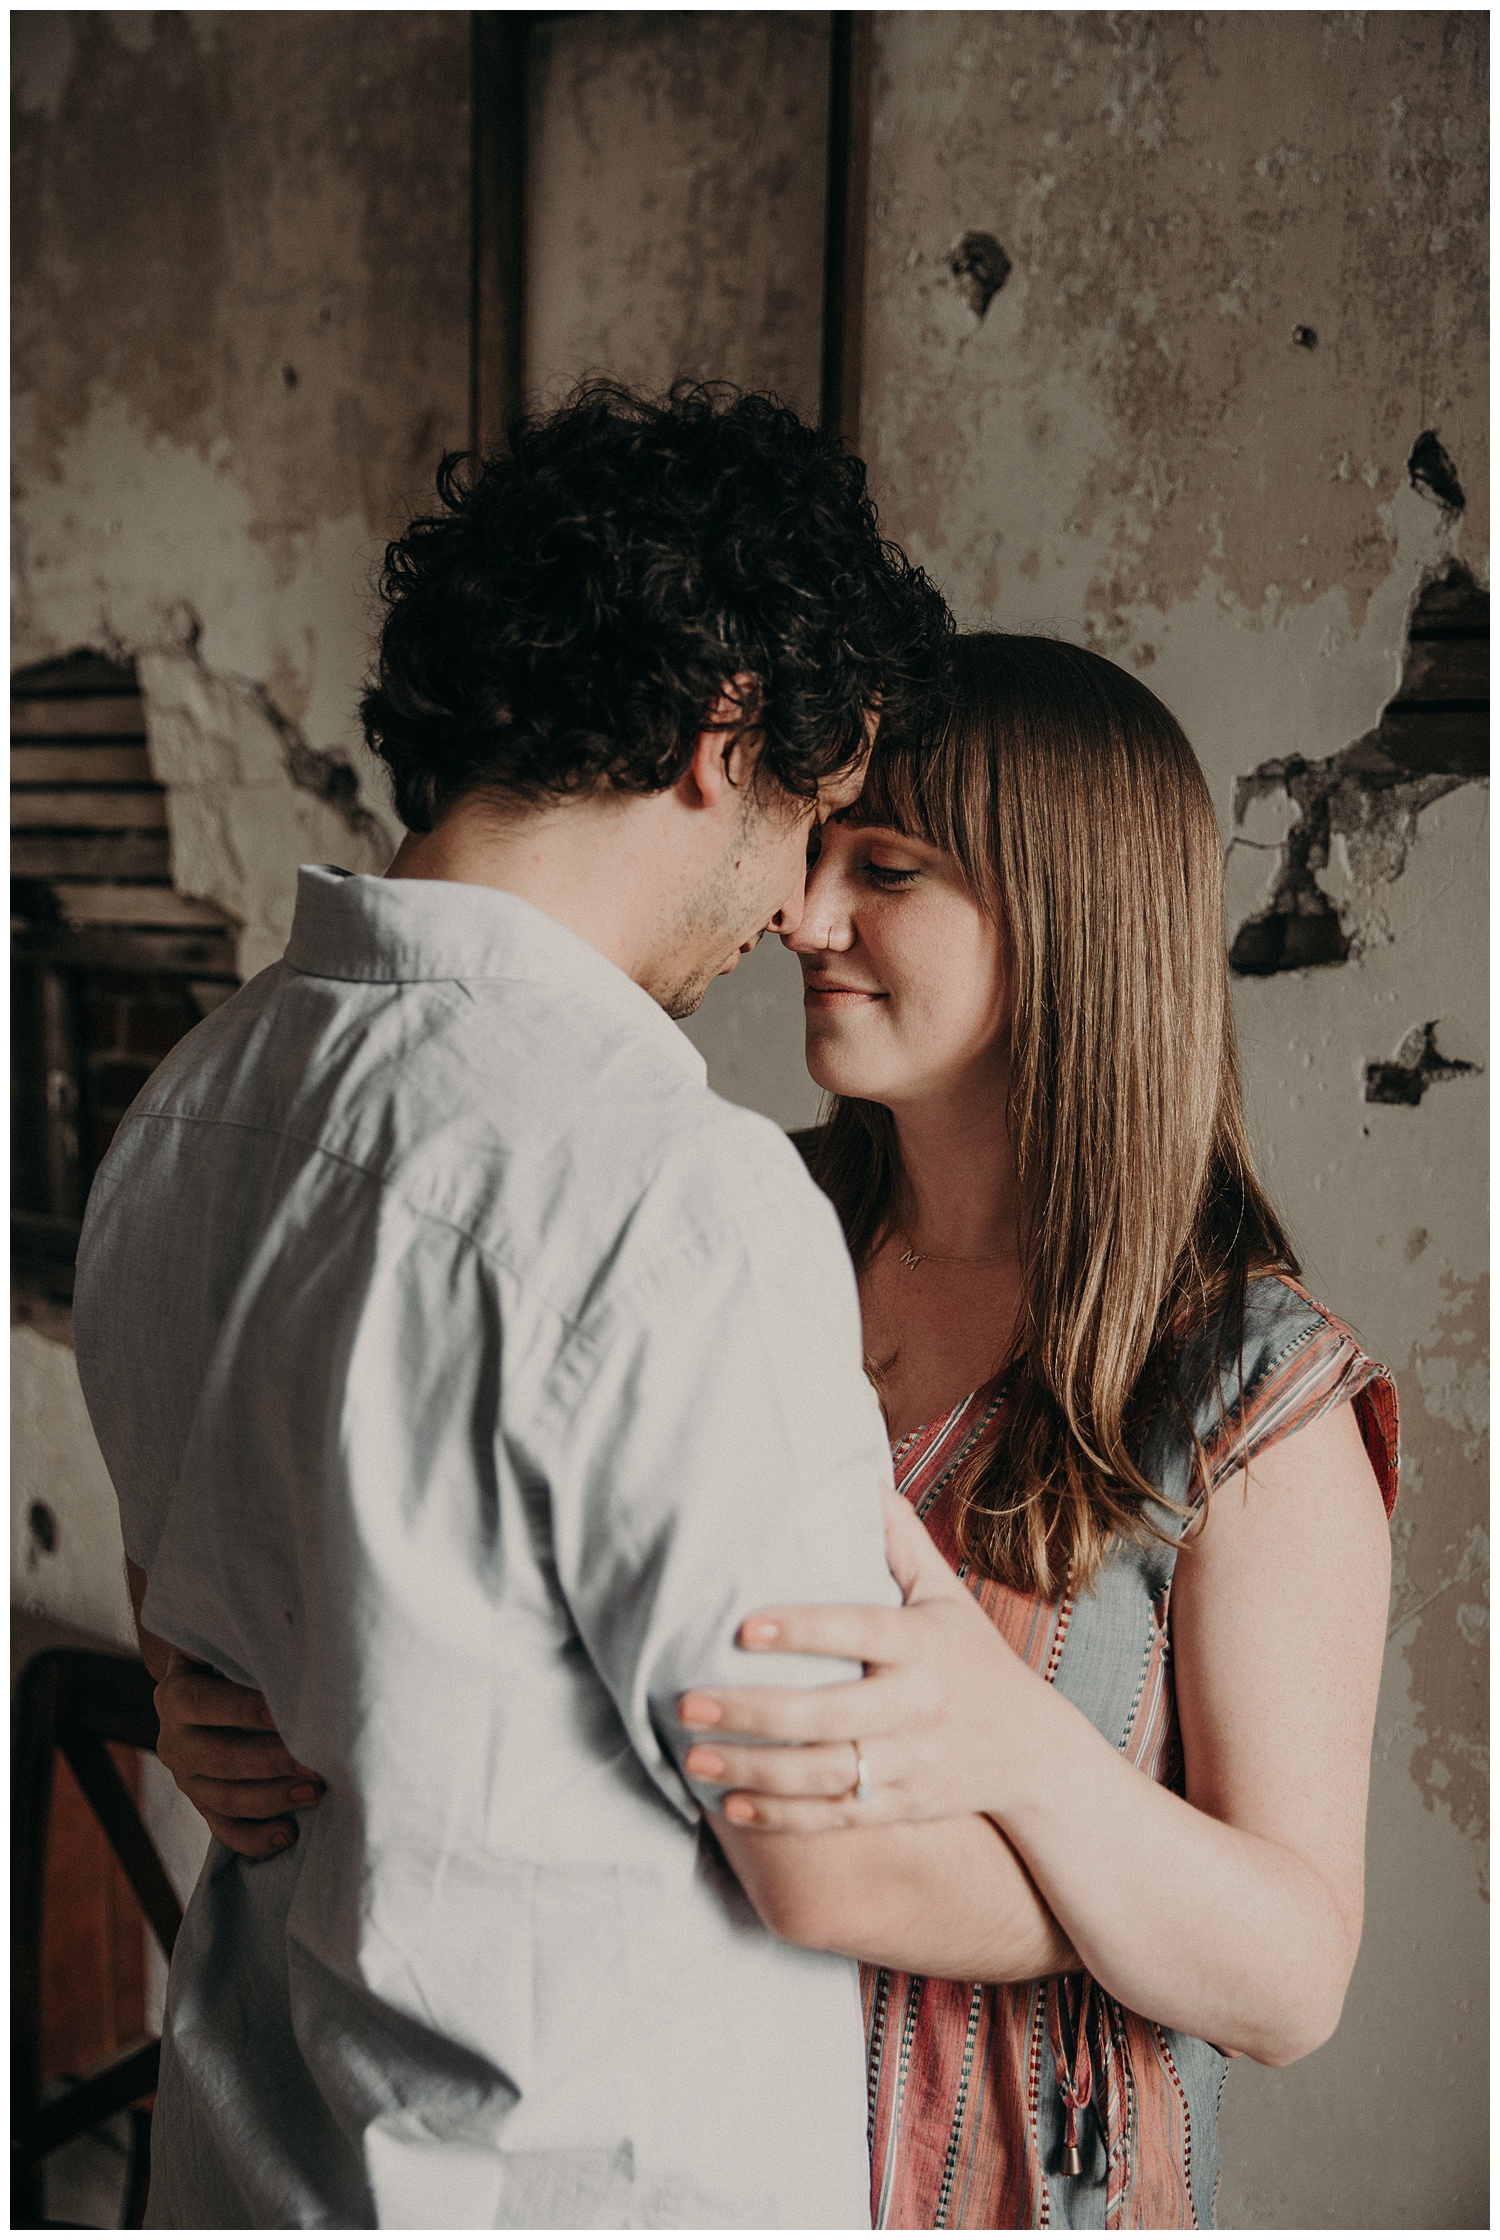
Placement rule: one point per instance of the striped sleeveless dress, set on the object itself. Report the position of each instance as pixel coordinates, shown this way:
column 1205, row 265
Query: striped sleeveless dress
column 971, row 2085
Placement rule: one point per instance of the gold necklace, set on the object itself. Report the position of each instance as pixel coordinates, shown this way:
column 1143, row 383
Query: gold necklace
column 911, row 1258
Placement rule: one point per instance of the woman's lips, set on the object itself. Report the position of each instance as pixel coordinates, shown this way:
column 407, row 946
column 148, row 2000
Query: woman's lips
column 840, row 999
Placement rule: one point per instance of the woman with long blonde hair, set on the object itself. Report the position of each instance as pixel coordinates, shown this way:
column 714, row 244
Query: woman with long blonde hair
column 1159, row 1470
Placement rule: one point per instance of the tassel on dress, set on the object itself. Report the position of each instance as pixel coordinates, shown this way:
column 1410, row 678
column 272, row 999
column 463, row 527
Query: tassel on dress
column 1075, row 2075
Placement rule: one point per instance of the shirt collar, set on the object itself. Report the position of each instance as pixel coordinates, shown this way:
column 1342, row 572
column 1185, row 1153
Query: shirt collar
column 357, row 926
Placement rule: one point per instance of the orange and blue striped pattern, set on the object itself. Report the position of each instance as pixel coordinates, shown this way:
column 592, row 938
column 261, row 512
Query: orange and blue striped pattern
column 965, row 2110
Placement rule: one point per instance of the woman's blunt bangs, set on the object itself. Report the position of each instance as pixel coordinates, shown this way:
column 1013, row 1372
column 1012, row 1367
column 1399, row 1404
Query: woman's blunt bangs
column 939, row 786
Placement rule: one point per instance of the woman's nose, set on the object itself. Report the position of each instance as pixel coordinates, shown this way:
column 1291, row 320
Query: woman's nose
column 825, row 923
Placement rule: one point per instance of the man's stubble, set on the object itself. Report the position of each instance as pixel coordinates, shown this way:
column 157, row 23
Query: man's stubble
column 732, row 907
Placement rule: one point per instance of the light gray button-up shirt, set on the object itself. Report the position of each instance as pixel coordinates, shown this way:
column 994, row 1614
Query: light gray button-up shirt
column 467, row 1371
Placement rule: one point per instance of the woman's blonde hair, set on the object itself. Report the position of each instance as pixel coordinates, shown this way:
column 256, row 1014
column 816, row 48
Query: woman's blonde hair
column 1082, row 819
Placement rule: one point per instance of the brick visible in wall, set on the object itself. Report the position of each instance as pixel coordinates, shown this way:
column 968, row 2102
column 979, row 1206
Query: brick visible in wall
column 110, row 967
column 131, row 1021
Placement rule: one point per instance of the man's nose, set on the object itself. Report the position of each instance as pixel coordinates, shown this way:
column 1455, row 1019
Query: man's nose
column 789, row 916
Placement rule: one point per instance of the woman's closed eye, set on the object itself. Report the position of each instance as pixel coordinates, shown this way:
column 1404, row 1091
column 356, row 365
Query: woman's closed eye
column 891, row 877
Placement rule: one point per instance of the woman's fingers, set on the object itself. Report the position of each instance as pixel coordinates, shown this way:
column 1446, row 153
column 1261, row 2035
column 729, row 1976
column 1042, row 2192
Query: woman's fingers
column 861, row 1631
column 804, row 1816
column 916, row 1565
column 218, row 1742
column 823, row 1769
column 201, row 1698
column 838, row 1714
column 254, row 1818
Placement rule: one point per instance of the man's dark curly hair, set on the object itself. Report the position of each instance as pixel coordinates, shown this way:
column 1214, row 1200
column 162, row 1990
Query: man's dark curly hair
column 583, row 597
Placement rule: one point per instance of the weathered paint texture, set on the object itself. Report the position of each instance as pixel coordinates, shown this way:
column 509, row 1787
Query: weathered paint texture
column 1175, row 346
column 1131, row 447
column 676, row 199
column 1178, row 194
column 66, row 1561
column 1316, row 844
column 240, row 330
column 240, row 338
column 247, row 795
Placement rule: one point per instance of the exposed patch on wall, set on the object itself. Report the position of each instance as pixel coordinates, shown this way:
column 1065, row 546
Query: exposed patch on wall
column 1138, row 375
column 1405, row 1078
column 1440, row 1584
column 1433, row 472
column 137, row 542
column 66, row 1560
column 202, row 211
column 981, row 268
column 1347, row 822
column 191, row 218
column 248, row 799
column 323, row 772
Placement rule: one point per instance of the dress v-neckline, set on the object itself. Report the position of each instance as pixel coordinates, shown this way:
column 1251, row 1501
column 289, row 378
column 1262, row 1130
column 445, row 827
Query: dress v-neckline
column 903, row 1439
column 995, row 1388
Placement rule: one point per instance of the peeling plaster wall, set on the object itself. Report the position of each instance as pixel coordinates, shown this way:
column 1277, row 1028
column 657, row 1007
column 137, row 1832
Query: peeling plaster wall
column 240, row 331
column 1159, row 306
column 1179, row 194
column 675, row 219
column 1130, row 449
column 248, row 799
column 240, row 336
column 57, row 1469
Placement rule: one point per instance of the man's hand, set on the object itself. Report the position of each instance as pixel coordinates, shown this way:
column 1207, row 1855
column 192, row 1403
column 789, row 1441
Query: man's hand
column 219, row 1744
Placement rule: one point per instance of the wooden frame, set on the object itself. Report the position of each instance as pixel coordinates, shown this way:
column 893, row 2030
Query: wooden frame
column 500, row 105
column 497, row 302
column 76, row 1701
column 848, row 174
column 91, row 893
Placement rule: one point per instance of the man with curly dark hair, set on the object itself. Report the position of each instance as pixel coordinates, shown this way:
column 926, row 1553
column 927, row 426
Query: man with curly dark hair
column 631, row 588
column 467, row 1372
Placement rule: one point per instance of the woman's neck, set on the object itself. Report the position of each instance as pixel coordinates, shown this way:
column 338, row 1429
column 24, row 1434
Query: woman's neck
column 941, row 1294
column 960, row 1175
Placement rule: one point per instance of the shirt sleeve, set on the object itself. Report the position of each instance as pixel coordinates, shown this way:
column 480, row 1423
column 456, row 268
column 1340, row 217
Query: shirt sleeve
column 712, row 1445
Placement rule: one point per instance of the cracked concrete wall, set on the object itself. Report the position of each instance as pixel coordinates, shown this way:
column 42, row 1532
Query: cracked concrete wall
column 1246, row 277
column 675, row 219
column 240, row 339
column 1162, row 307
column 240, row 332
column 248, row 799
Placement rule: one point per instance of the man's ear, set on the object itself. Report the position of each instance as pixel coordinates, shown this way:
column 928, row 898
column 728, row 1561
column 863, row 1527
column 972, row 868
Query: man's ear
column 722, row 763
